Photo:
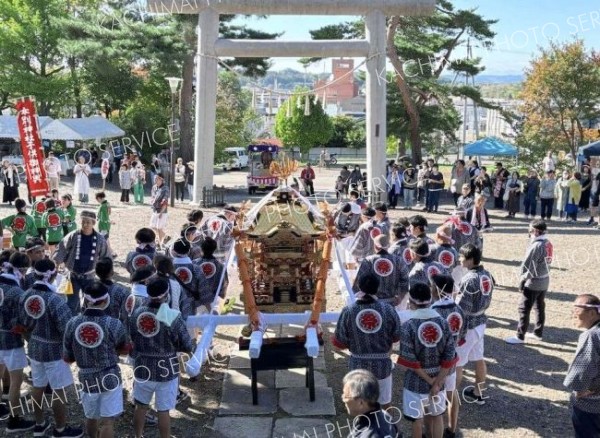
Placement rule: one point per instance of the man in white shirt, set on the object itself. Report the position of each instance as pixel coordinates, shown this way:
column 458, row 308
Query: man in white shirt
column 53, row 169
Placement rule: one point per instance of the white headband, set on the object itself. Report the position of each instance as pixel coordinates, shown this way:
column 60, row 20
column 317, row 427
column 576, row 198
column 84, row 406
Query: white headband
column 160, row 297
column 93, row 300
column 45, row 275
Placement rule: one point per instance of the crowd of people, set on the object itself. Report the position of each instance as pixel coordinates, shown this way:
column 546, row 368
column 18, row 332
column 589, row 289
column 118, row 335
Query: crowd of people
column 59, row 300
column 430, row 293
column 425, row 292
column 129, row 168
column 420, row 187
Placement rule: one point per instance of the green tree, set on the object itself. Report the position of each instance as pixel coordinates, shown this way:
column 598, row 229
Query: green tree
column 560, row 97
column 347, row 133
column 146, row 117
column 234, row 115
column 109, row 48
column 304, row 131
column 32, row 64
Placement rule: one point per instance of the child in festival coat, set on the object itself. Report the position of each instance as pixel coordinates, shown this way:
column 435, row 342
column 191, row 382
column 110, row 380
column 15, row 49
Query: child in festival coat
column 144, row 252
column 211, row 271
column 53, row 223
column 37, row 211
column 104, row 223
column 12, row 352
column 156, row 342
column 70, row 214
column 45, row 315
column 21, row 225
column 94, row 341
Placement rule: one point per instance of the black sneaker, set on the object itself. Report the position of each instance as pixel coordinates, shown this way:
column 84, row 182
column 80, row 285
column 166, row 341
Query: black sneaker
column 18, row 424
column 182, row 396
column 69, row 432
column 4, row 411
column 151, row 419
column 449, row 434
column 471, row 397
column 41, row 429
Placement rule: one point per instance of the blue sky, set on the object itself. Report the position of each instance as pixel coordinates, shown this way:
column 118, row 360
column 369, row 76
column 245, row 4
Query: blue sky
column 524, row 25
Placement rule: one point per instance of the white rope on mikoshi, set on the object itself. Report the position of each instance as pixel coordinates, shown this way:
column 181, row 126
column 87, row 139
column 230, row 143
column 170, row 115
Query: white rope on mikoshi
column 251, row 215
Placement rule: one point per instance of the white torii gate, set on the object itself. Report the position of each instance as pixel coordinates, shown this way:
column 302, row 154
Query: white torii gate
column 210, row 47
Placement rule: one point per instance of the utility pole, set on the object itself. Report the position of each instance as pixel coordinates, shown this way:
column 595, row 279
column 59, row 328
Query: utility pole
column 469, row 80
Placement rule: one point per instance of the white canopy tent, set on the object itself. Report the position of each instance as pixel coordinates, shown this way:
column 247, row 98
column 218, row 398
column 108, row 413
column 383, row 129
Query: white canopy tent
column 10, row 129
column 90, row 128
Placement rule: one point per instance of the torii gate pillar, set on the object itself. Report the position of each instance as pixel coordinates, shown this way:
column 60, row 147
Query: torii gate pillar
column 206, row 102
column 210, row 47
column 376, row 105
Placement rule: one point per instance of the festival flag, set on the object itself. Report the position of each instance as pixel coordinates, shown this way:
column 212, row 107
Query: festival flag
column 31, row 147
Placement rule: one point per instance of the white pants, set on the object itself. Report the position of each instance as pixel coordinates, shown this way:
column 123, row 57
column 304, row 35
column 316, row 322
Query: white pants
column 165, row 393
column 385, row 390
column 106, row 404
column 14, row 359
column 57, row 374
column 417, row 406
column 472, row 349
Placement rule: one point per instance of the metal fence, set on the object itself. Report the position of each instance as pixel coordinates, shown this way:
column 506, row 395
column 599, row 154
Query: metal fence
column 214, row 197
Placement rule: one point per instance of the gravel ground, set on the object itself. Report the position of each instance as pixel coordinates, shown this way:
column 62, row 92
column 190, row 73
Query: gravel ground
column 526, row 396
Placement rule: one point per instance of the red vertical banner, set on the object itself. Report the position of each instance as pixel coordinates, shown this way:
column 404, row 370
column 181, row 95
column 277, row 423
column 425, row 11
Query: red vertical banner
column 31, row 147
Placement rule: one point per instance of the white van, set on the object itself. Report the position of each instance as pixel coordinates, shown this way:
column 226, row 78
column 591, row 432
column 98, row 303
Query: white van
column 236, row 158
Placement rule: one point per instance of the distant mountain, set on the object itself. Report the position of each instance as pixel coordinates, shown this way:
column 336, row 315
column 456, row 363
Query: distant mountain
column 288, row 79
column 491, row 79
column 499, row 79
